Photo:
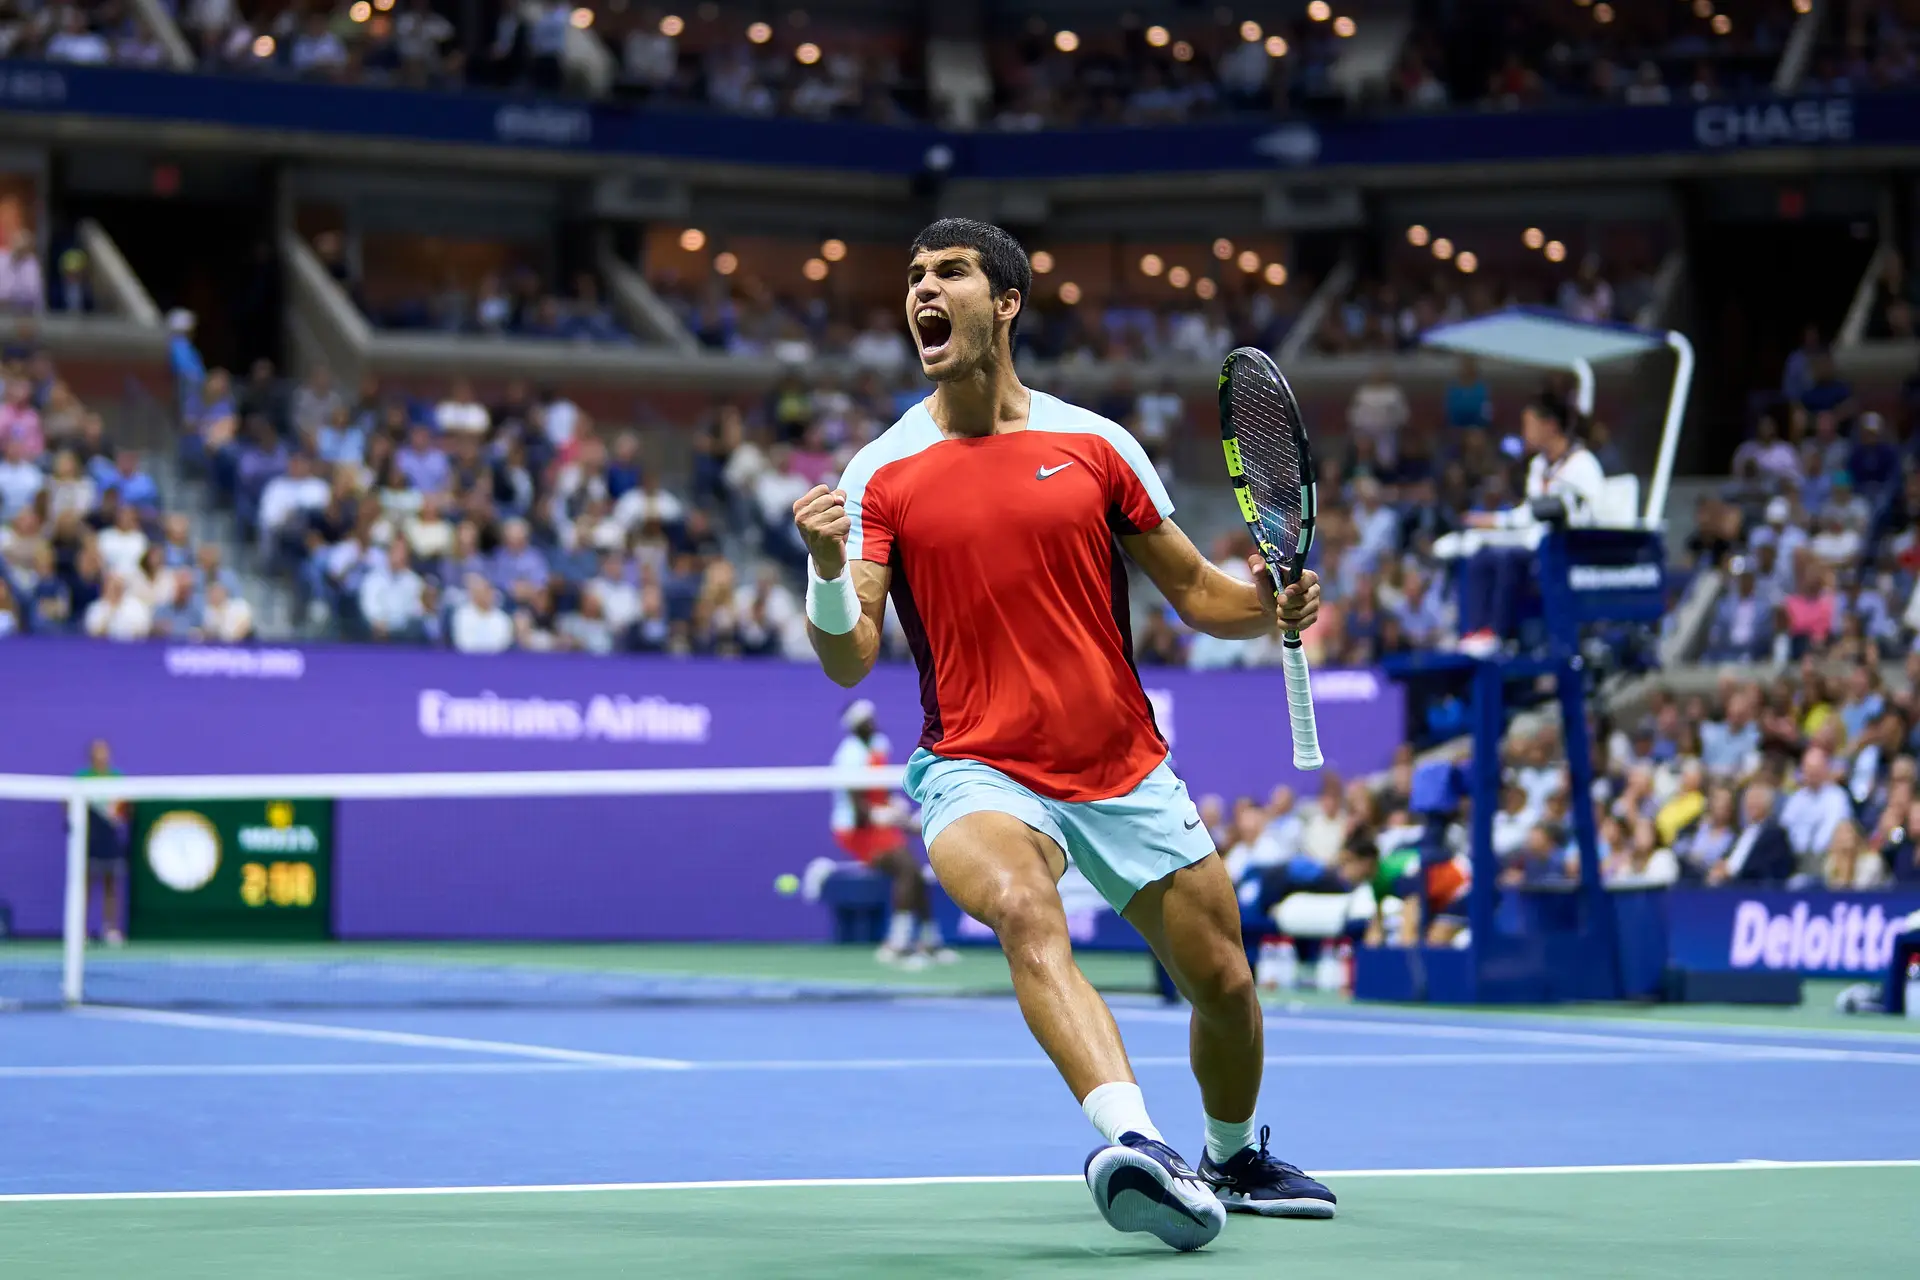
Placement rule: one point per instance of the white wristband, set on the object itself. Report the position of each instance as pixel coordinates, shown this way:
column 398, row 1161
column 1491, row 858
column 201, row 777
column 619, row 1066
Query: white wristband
column 832, row 604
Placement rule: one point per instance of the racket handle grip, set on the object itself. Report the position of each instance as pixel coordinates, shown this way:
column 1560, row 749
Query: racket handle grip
column 1306, row 733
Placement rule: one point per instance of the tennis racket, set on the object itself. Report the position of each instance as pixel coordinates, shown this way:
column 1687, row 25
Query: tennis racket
column 1272, row 471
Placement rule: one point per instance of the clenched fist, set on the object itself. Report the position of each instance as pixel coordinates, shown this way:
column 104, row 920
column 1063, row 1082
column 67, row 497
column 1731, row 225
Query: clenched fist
column 821, row 516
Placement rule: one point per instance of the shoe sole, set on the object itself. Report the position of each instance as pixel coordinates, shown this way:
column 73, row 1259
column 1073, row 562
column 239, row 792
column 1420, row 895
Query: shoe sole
column 1233, row 1202
column 1135, row 1192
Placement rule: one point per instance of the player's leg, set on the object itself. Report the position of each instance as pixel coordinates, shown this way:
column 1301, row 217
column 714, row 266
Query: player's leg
column 1004, row 874
column 1191, row 919
column 999, row 853
column 1148, row 853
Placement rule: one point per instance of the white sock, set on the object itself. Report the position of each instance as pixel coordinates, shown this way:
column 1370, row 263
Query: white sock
column 1228, row 1138
column 1118, row 1108
column 900, row 930
column 930, row 936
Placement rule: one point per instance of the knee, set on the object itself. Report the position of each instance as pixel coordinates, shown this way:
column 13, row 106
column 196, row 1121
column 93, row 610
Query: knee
column 1027, row 922
column 1223, row 984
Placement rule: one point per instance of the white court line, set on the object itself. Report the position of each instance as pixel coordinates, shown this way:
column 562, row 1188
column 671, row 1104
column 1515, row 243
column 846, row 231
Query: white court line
column 1417, row 1030
column 776, row 1184
column 368, row 1035
column 1295, row 1061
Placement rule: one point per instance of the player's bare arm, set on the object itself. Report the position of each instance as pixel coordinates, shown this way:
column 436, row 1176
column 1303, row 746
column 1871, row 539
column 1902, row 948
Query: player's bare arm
column 821, row 516
column 1215, row 602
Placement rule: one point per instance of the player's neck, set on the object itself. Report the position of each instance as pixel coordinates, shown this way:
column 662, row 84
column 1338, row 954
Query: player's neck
column 1556, row 453
column 989, row 401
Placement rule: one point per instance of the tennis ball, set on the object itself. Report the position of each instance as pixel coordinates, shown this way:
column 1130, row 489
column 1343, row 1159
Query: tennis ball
column 787, row 883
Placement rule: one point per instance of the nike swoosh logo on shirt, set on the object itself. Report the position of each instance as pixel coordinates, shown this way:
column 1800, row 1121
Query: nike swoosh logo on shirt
column 1193, row 824
column 1044, row 472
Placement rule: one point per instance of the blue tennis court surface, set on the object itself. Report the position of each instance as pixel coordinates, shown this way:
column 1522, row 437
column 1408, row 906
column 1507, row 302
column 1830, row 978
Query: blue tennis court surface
column 114, row 1101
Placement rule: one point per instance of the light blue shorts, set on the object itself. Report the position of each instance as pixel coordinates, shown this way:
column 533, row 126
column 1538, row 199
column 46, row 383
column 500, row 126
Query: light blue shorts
column 1120, row 845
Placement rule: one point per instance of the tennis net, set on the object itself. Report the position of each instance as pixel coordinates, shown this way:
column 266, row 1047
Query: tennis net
column 452, row 889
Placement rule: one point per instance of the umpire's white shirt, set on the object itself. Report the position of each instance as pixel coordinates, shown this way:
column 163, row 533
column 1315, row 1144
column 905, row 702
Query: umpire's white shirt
column 1576, row 480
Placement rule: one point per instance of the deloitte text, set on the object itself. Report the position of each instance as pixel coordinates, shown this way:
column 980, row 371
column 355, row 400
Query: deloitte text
column 1848, row 938
column 616, row 718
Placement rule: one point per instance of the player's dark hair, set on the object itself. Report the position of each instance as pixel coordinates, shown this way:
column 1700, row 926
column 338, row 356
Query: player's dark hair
column 1001, row 256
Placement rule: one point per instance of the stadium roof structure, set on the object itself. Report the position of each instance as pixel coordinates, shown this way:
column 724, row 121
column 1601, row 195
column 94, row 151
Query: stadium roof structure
column 1552, row 340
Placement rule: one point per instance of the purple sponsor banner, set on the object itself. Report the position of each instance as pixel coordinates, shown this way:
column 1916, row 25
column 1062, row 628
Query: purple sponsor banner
column 697, row 867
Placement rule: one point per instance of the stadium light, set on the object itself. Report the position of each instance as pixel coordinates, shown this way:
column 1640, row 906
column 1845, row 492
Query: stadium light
column 759, row 33
column 1069, row 292
column 1344, row 27
column 1042, row 262
column 1603, row 13
column 1722, row 24
column 1250, row 31
column 1182, row 51
column 1443, row 248
column 263, row 47
column 1556, row 252
column 1803, row 6
column 1276, row 47
column 1158, row 36
column 807, row 54
column 1468, row 262
column 672, row 25
column 361, row 11
column 384, row 6
column 1533, row 237
column 1205, row 288
column 1223, row 248
column 693, row 239
column 1319, row 10
column 1275, row 274
column 833, row 250
column 1150, row 265
column 814, row 269
column 1066, row 41
column 1417, row 236
column 1179, row 277
column 1249, row 261
column 725, row 263
column 581, row 18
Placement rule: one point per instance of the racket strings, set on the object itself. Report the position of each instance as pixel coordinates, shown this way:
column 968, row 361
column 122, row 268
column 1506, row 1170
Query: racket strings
column 1269, row 454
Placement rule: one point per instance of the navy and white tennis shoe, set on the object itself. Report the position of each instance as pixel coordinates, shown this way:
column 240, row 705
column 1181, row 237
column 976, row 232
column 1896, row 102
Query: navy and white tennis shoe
column 1254, row 1182
column 1139, row 1184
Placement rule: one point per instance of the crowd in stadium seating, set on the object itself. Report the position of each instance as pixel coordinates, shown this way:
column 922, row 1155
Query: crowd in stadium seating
column 1818, row 529
column 1807, row 778
column 1635, row 52
column 85, row 544
column 743, row 318
column 92, row 33
column 1387, row 311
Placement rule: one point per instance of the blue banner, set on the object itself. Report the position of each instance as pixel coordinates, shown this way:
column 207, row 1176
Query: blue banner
column 1816, row 932
column 1460, row 137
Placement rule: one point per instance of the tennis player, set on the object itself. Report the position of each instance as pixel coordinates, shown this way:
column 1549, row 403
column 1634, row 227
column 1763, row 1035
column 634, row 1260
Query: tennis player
column 868, row 825
column 996, row 516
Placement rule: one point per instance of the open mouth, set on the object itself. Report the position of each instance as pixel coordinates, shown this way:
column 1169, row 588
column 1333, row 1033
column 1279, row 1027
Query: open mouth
column 934, row 330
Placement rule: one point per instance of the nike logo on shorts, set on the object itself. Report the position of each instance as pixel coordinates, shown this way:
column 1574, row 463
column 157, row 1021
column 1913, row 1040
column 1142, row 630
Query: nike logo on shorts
column 1044, row 472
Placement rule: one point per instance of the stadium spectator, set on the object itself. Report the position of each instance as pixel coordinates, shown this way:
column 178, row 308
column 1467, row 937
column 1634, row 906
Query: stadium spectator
column 287, row 499
column 134, row 487
column 119, row 613
column 1812, row 813
column 479, row 624
column 224, row 618
column 22, row 284
column 21, row 479
column 462, row 412
column 392, row 597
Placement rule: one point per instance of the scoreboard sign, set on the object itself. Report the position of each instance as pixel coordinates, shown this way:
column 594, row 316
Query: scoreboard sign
column 242, row 869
